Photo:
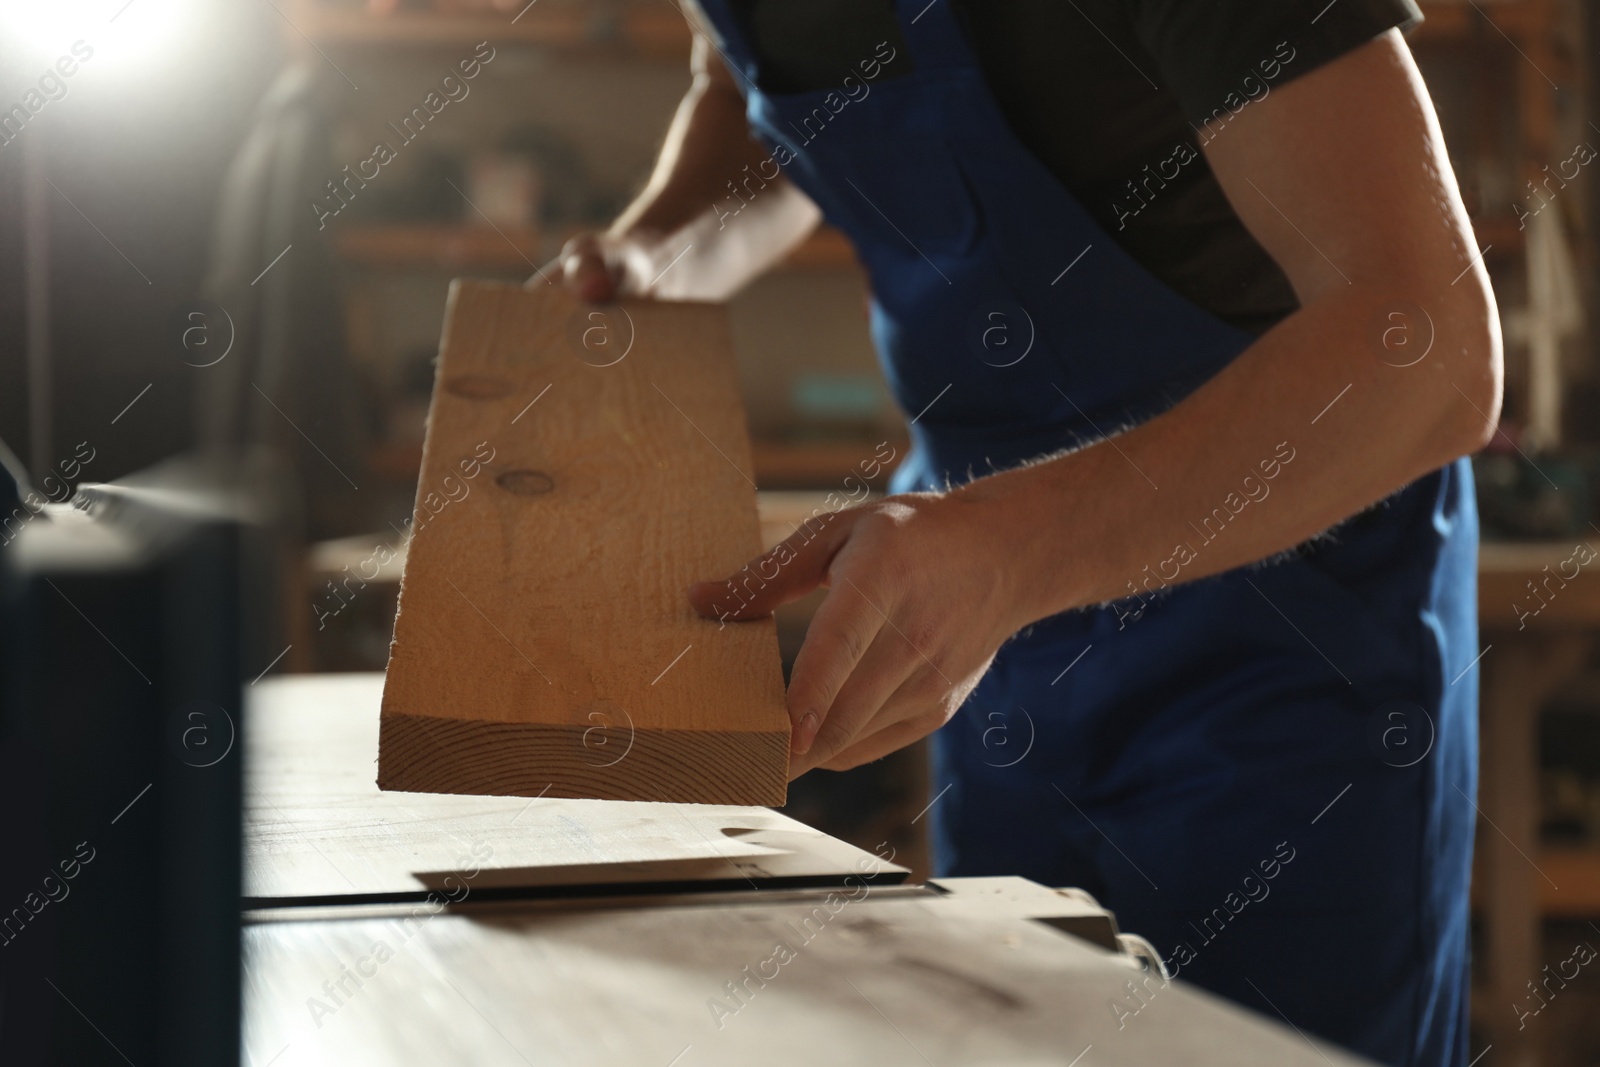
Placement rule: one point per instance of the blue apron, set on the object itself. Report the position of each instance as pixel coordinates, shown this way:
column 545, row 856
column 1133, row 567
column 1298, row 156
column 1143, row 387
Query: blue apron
column 1267, row 773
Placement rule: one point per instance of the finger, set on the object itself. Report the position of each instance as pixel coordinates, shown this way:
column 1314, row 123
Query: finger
column 787, row 572
column 923, row 696
column 585, row 270
column 840, row 634
column 891, row 738
column 863, row 704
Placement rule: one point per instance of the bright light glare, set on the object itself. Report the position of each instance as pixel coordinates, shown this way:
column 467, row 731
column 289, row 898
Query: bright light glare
column 121, row 32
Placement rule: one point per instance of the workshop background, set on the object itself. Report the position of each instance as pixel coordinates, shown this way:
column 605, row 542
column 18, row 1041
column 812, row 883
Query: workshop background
column 167, row 178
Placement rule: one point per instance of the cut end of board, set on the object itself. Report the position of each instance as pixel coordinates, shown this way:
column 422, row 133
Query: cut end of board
column 423, row 754
column 583, row 465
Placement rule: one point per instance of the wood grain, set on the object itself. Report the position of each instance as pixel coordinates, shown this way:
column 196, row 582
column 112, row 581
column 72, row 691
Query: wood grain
column 318, row 830
column 582, row 466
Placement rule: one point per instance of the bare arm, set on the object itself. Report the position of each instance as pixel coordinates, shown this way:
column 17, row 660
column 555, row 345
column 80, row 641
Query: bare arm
column 681, row 237
column 1342, row 176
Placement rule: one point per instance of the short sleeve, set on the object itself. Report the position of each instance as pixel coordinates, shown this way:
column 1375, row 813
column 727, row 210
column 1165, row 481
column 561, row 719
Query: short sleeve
column 1217, row 53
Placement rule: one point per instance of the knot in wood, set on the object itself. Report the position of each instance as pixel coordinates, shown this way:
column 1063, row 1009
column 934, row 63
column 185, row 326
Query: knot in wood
column 477, row 386
column 525, row 482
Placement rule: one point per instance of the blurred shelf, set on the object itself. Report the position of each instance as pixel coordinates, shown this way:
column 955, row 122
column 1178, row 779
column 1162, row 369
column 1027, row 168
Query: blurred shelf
column 395, row 461
column 818, row 465
column 439, row 245
column 1501, row 233
column 660, row 31
column 1516, row 557
column 826, row 247
column 784, row 511
column 1451, row 19
column 455, row 246
column 1570, row 884
column 651, row 30
column 643, row 30
column 1576, row 874
column 1505, row 569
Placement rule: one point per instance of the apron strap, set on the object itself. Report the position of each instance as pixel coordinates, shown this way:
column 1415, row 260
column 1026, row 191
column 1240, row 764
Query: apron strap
column 729, row 39
column 933, row 32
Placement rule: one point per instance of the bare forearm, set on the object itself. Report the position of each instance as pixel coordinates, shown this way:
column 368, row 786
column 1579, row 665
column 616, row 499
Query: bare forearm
column 1315, row 421
column 715, row 212
column 1383, row 258
column 706, row 147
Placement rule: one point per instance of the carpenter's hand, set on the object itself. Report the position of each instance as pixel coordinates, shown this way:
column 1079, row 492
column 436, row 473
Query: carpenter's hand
column 917, row 604
column 599, row 267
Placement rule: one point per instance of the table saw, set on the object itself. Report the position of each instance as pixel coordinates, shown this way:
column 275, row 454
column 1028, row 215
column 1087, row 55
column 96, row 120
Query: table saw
column 419, row 929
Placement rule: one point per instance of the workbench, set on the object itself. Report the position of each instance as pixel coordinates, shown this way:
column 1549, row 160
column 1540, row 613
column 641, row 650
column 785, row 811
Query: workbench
column 402, row 928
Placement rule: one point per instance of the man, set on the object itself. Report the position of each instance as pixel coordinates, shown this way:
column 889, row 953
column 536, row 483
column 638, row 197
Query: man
column 1183, row 304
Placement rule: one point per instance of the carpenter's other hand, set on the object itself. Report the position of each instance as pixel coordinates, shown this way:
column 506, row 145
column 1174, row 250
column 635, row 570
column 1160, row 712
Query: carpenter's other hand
column 599, row 267
column 917, row 604
column 590, row 266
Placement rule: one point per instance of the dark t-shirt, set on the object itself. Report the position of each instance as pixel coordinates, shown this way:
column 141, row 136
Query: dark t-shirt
column 1115, row 97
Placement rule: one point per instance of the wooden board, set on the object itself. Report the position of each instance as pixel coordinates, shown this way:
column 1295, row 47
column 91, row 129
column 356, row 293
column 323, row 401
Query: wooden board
column 380, row 559
column 885, row 978
column 583, row 465
column 318, row 830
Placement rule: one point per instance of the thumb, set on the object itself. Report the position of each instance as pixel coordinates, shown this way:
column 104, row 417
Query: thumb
column 586, row 271
column 787, row 572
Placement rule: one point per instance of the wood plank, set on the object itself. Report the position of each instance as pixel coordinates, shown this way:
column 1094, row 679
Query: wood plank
column 318, row 830
column 886, row 978
column 544, row 644
column 377, row 559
